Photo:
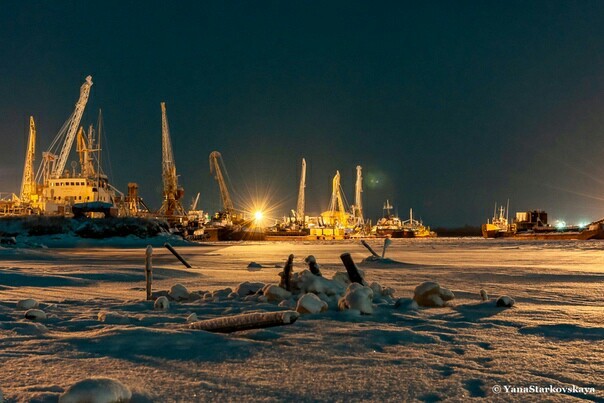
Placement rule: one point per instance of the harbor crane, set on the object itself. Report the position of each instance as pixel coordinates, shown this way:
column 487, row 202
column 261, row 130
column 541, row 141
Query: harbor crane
column 357, row 209
column 53, row 165
column 300, row 207
column 227, row 203
column 171, row 205
column 28, row 184
column 336, row 215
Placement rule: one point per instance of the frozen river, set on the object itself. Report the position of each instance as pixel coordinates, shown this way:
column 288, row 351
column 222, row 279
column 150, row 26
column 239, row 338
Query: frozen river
column 552, row 338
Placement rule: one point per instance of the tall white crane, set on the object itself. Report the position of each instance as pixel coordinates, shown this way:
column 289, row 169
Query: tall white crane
column 358, row 190
column 227, row 203
column 53, row 165
column 74, row 124
column 28, row 185
column 171, row 205
column 300, row 206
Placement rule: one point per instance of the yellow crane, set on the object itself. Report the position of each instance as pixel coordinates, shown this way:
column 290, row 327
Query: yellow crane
column 300, row 207
column 28, row 185
column 336, row 215
column 171, row 205
column 227, row 203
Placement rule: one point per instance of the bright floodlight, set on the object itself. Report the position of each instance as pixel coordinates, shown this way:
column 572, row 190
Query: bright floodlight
column 258, row 216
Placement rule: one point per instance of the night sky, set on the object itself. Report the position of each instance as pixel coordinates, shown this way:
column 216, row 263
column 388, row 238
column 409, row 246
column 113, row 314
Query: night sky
column 448, row 106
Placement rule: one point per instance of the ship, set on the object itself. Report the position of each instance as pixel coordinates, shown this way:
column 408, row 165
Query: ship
column 58, row 190
column 498, row 226
column 393, row 227
column 533, row 225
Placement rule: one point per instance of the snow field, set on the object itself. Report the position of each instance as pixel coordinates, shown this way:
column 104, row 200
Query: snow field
column 99, row 325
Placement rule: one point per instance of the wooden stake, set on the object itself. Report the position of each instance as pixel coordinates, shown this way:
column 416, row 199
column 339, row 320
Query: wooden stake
column 286, row 276
column 182, row 260
column 365, row 244
column 387, row 243
column 149, row 270
column 351, row 268
column 245, row 321
column 313, row 266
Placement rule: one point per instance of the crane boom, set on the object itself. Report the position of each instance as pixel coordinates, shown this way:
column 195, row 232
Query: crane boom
column 227, row 203
column 300, row 206
column 28, row 185
column 74, row 124
column 358, row 189
column 337, row 204
column 171, row 204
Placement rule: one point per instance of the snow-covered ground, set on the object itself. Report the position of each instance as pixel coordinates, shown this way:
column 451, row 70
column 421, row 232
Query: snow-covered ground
column 100, row 325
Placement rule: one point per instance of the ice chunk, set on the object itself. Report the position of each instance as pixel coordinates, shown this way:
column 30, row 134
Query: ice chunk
column 406, row 304
column 505, row 301
column 192, row 318
column 431, row 294
column 113, row 318
column 26, row 304
column 310, row 303
column 161, row 304
column 221, row 294
column 96, row 390
column 35, row 314
column 357, row 297
column 254, row 265
column 248, row 288
column 275, row 293
column 179, row 292
column 307, row 282
column 483, row 295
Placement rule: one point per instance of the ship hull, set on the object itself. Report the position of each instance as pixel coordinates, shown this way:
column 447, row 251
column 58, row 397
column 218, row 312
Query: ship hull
column 215, row 234
column 594, row 231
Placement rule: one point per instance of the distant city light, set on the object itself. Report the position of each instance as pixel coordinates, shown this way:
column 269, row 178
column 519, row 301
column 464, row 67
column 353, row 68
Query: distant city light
column 561, row 224
column 258, row 216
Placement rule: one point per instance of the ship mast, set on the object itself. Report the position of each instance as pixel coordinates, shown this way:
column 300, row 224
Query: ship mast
column 28, row 185
column 387, row 207
column 300, row 206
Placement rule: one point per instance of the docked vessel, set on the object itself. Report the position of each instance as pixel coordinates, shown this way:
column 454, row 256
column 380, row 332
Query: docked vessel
column 534, row 225
column 57, row 190
column 392, row 226
column 498, row 226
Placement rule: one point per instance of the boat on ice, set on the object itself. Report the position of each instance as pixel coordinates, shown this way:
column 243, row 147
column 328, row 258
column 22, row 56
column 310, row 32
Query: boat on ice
column 393, row 227
column 534, row 225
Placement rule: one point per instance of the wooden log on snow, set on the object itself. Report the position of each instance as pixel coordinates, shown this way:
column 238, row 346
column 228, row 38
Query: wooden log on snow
column 149, row 271
column 351, row 268
column 245, row 321
column 365, row 244
column 182, row 260
column 286, row 276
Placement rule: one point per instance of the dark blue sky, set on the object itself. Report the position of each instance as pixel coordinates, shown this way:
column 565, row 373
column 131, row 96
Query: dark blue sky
column 448, row 106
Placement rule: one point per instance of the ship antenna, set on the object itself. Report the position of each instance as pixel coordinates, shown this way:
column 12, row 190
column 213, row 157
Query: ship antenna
column 507, row 211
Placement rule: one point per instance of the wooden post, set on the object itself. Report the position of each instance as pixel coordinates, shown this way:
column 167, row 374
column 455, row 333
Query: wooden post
column 182, row 260
column 365, row 244
column 149, row 270
column 313, row 266
column 245, row 321
column 387, row 243
column 286, row 276
column 351, row 268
